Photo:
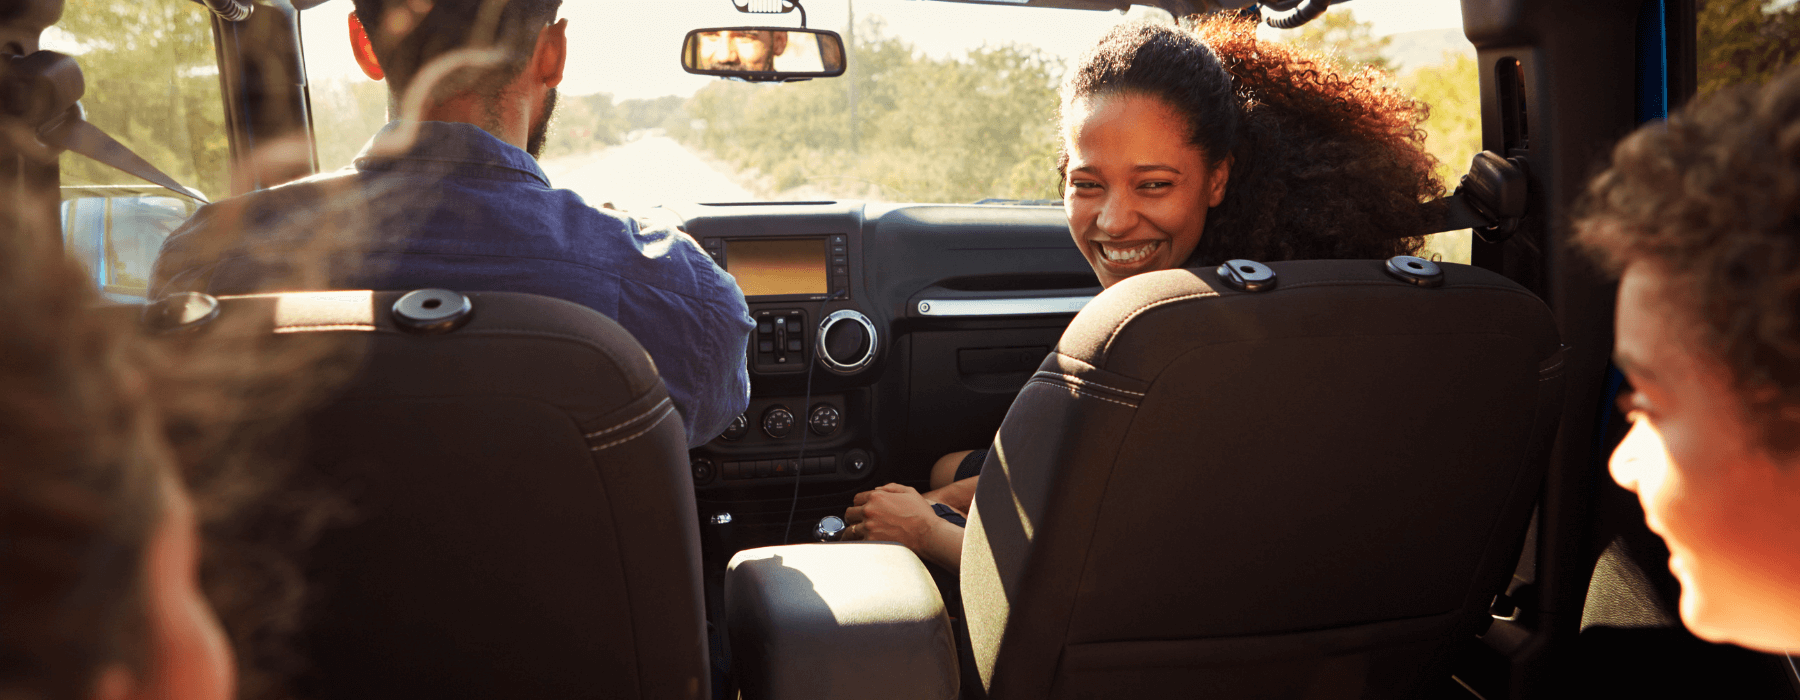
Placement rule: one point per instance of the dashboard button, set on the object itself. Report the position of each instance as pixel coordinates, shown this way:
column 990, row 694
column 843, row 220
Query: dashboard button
column 778, row 422
column 857, row 461
column 703, row 470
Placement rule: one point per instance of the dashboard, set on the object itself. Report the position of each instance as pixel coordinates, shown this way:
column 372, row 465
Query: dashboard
column 886, row 336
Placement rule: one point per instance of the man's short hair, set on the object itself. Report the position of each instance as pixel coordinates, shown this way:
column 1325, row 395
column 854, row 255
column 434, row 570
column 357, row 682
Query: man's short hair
column 1711, row 197
column 408, row 35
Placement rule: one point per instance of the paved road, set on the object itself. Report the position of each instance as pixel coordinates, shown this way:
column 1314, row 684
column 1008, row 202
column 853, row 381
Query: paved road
column 643, row 173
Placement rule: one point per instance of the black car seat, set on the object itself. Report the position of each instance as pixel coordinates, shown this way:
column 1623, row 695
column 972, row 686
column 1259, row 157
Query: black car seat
column 1307, row 479
column 523, row 519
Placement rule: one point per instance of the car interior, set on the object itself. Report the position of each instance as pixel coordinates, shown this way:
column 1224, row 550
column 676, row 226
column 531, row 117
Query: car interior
column 1298, row 479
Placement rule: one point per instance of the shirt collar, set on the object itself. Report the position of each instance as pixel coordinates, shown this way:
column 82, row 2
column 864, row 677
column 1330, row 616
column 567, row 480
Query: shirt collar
column 449, row 143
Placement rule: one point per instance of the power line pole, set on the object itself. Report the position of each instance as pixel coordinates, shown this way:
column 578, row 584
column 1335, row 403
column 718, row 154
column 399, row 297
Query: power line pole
column 851, row 72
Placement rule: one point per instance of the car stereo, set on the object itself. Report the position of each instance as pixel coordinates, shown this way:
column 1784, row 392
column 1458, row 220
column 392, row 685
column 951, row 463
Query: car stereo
column 794, row 268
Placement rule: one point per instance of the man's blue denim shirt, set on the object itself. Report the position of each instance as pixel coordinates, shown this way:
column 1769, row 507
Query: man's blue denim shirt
column 455, row 207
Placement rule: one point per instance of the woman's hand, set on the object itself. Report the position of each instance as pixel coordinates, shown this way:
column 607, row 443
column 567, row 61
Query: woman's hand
column 895, row 513
column 891, row 513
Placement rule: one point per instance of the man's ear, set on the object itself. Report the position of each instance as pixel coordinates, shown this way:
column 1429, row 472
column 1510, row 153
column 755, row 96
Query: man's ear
column 552, row 54
column 365, row 51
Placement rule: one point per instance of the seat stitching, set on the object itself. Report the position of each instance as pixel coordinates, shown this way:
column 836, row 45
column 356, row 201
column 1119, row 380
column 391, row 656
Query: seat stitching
column 628, row 422
column 1079, row 380
column 1115, row 331
column 326, row 327
column 635, row 435
column 1079, row 391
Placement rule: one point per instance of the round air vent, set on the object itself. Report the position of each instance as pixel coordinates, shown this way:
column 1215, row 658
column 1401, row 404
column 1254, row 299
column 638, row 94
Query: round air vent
column 847, row 342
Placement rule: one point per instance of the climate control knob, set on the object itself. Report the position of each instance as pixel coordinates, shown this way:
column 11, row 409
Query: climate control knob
column 778, row 422
column 847, row 341
column 824, row 420
column 739, row 426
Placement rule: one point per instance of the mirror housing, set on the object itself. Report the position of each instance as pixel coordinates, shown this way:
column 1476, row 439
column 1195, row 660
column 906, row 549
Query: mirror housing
column 764, row 54
column 116, row 232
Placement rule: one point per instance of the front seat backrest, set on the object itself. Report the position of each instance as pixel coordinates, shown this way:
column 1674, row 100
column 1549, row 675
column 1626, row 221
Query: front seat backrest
column 524, row 520
column 1313, row 490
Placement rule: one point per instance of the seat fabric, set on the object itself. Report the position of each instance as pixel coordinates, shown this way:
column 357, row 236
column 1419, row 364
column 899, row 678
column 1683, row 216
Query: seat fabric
column 523, row 518
column 1309, row 491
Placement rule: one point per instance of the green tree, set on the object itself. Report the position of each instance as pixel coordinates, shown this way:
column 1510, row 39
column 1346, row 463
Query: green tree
column 1338, row 36
column 1744, row 41
column 925, row 129
column 1452, row 90
column 346, row 112
column 585, row 123
column 153, row 84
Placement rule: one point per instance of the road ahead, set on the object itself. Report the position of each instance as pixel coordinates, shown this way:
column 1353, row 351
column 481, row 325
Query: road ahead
column 641, row 174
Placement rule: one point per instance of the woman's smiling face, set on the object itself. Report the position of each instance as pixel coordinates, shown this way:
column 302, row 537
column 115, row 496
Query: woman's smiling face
column 1137, row 191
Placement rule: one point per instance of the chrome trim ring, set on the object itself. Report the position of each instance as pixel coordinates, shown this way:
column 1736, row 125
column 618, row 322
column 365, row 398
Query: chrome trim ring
column 832, row 319
column 1018, row 306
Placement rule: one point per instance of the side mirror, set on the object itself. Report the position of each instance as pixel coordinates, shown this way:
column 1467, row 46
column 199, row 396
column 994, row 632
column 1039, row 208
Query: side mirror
column 764, row 54
column 117, row 231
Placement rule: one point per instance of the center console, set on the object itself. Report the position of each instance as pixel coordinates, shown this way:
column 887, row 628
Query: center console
column 811, row 337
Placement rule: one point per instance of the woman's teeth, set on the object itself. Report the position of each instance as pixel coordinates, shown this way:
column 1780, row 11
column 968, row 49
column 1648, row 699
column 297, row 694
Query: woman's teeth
column 1128, row 255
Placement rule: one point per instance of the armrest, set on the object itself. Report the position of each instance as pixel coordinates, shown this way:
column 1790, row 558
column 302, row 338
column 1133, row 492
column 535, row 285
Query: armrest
column 836, row 620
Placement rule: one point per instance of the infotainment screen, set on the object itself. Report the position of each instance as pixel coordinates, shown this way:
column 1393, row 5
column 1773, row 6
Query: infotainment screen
column 766, row 268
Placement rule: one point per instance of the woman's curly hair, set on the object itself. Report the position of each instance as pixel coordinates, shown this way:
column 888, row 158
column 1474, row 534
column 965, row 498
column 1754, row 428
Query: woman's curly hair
column 1325, row 163
column 1712, row 198
column 80, row 476
column 95, row 419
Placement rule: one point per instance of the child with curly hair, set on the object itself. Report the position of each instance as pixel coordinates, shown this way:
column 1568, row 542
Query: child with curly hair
column 1700, row 217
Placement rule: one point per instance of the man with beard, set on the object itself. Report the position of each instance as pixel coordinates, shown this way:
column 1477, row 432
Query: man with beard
column 449, row 194
column 751, row 50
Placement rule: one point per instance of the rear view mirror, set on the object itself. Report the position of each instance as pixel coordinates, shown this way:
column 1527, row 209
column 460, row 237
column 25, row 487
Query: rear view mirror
column 764, row 54
column 117, row 231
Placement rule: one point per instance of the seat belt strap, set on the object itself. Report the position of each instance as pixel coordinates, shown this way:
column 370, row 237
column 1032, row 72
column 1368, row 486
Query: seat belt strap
column 76, row 134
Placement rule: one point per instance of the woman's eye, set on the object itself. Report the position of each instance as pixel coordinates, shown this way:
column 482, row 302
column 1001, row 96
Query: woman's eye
column 1084, row 185
column 1156, row 185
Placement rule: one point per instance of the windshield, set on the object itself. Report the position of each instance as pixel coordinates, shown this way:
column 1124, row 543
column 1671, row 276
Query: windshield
column 942, row 102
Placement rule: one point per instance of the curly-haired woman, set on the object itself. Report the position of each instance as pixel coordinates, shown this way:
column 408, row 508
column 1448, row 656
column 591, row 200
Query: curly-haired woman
column 1701, row 217
column 1191, row 146
column 100, row 596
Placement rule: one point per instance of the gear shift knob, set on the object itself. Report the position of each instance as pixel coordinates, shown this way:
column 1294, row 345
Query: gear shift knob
column 829, row 529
